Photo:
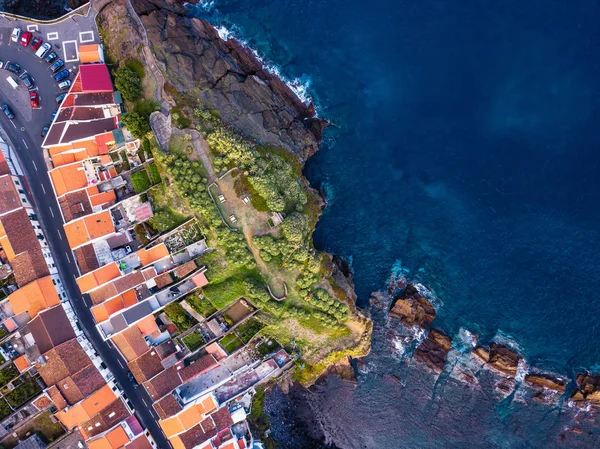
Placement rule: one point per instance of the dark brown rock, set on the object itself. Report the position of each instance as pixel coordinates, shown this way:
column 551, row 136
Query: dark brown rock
column 503, row 359
column 546, row 380
column 588, row 388
column 433, row 350
column 413, row 309
column 228, row 78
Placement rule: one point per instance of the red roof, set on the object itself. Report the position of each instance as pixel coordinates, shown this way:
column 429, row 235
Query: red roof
column 95, row 78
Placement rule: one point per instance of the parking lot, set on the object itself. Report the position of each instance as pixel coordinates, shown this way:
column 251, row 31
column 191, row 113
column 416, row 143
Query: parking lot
column 64, row 38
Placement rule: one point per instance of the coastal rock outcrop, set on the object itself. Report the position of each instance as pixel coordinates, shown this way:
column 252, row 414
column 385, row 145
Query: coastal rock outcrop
column 433, row 350
column 588, row 388
column 228, row 78
column 544, row 380
column 411, row 308
column 499, row 358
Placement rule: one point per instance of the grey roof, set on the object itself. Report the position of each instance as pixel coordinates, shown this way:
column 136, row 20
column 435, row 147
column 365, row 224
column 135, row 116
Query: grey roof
column 138, row 312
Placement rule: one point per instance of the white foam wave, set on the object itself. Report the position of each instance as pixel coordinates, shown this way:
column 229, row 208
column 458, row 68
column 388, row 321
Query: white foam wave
column 465, row 340
column 204, row 5
column 300, row 86
column 429, row 294
column 522, row 370
column 507, row 340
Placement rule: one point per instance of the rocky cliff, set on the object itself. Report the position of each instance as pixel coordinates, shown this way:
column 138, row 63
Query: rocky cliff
column 227, row 77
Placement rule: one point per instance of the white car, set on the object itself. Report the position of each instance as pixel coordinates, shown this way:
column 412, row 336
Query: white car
column 16, row 34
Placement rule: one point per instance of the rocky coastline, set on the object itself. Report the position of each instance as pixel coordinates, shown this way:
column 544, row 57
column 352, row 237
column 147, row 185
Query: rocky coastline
column 410, row 322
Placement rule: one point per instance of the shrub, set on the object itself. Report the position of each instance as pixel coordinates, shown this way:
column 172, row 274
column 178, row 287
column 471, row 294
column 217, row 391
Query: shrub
column 137, row 124
column 128, row 83
column 193, row 341
column 154, row 175
column 140, row 181
column 179, row 317
column 136, row 66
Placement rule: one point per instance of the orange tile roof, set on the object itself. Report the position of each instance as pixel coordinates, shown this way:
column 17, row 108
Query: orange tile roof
column 148, row 256
column 200, row 280
column 89, row 53
column 68, row 178
column 73, row 416
column 131, row 343
column 99, row 225
column 103, row 140
column 189, row 417
column 103, row 198
column 229, row 445
column 34, row 297
column 176, row 443
column 103, row 311
column 89, row 228
column 90, row 146
column 59, row 149
column 114, row 439
column 21, row 363
column 147, row 326
column 129, row 298
column 98, row 277
column 98, row 400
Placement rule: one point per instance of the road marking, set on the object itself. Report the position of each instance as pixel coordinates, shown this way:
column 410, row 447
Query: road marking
column 43, row 188
column 22, row 128
column 73, row 54
column 25, row 143
column 52, row 36
column 89, row 36
column 119, row 360
column 34, row 166
column 51, row 213
column 32, row 28
column 13, row 124
column 68, row 258
column 59, row 236
column 144, row 401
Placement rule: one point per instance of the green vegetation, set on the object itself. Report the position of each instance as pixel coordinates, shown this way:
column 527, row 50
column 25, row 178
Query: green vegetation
column 230, row 343
column 249, row 329
column 7, row 374
column 266, row 347
column 43, row 425
column 193, row 341
column 136, row 66
column 166, row 215
column 154, row 174
column 23, row 393
column 5, row 410
column 138, row 124
column 179, row 316
column 128, row 83
column 202, row 306
column 235, row 286
column 140, row 181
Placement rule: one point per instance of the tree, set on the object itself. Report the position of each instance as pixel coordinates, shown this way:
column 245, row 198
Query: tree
column 138, row 124
column 128, row 83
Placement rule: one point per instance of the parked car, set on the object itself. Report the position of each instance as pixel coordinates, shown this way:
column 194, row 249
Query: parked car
column 131, row 378
column 61, row 97
column 57, row 65
column 41, row 52
column 28, row 80
column 16, row 34
column 36, row 42
column 25, row 38
column 64, row 85
column 53, row 116
column 50, row 57
column 61, row 75
column 14, row 67
column 8, row 111
column 34, row 100
column 45, row 130
column 14, row 82
column 1, row 65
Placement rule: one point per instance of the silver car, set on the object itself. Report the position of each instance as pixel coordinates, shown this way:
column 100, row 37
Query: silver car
column 16, row 34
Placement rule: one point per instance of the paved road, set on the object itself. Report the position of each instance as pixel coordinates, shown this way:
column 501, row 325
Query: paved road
column 26, row 140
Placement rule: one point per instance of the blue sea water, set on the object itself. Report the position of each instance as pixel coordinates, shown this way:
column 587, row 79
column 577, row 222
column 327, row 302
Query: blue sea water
column 464, row 147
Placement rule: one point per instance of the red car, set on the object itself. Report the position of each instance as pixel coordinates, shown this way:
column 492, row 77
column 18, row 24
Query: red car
column 34, row 100
column 36, row 43
column 25, row 38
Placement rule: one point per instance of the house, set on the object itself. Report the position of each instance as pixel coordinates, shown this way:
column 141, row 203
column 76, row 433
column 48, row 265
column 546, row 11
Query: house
column 91, row 53
column 34, row 297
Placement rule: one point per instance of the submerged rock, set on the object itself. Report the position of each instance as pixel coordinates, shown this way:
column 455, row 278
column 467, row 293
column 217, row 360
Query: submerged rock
column 433, row 350
column 411, row 308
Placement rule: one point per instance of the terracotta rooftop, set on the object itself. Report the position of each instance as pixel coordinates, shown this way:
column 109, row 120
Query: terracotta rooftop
column 222, row 418
column 75, row 205
column 29, row 266
column 107, row 308
column 68, row 178
column 85, row 410
column 17, row 234
column 104, row 198
column 88, row 228
column 183, row 270
column 200, row 280
column 190, row 418
column 140, row 442
column 162, row 280
column 90, row 53
column 164, row 382
column 107, row 418
column 63, row 361
column 34, row 297
column 4, row 169
column 102, row 293
column 42, row 402
column 98, row 277
column 167, row 407
column 86, row 258
column 57, row 397
column 51, row 328
column 9, row 198
column 196, row 436
column 114, row 439
column 200, row 366
column 80, row 385
column 146, row 366
column 154, row 254
column 166, row 349
column 131, row 343
column 21, row 363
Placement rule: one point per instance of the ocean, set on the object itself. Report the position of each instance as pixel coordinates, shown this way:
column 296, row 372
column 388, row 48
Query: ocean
column 463, row 152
